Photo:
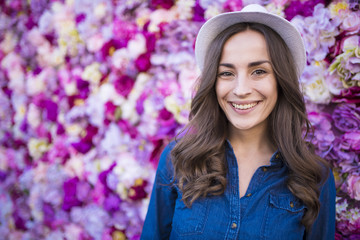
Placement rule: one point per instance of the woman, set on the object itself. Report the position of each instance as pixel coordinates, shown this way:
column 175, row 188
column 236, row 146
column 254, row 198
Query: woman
column 242, row 170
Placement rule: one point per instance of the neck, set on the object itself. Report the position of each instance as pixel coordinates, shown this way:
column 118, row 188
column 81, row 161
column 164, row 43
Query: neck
column 248, row 144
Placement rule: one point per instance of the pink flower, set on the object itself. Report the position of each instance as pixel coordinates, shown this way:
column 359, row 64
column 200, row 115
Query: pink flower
column 123, row 31
column 353, row 187
column 233, row 5
column 352, row 22
column 353, row 139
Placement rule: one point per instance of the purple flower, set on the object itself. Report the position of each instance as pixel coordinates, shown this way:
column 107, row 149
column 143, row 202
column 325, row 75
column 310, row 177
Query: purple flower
column 49, row 214
column 322, row 137
column 83, row 88
column 347, row 117
column 83, row 190
column 50, row 107
column 112, row 202
column 124, row 85
column 70, row 188
column 82, row 146
column 2, row 176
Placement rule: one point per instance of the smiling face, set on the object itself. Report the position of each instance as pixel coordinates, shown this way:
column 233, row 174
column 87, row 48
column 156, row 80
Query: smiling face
column 246, row 87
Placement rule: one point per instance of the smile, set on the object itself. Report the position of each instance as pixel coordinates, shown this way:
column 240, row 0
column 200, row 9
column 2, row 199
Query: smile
column 244, row 106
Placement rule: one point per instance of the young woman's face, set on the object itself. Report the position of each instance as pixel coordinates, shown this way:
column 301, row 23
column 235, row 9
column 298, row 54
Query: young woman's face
column 246, row 87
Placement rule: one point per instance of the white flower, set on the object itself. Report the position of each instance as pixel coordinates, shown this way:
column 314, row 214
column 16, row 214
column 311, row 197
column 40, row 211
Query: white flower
column 9, row 42
column 92, row 73
column 185, row 8
column 314, row 85
column 161, row 15
column 136, row 46
column 95, row 43
column 112, row 140
column 33, row 116
column 37, row 147
column 128, row 111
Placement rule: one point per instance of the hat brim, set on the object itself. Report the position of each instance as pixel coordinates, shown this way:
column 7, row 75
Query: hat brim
column 219, row 23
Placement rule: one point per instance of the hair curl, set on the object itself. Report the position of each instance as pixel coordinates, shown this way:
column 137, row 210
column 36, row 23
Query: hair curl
column 199, row 156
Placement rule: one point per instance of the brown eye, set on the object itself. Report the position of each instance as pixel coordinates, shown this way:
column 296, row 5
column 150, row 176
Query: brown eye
column 225, row 74
column 259, row 72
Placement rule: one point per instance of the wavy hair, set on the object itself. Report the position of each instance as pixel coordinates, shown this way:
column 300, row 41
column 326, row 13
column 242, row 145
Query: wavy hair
column 199, row 155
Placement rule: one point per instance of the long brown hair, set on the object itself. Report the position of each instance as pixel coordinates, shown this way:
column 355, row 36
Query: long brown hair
column 199, row 155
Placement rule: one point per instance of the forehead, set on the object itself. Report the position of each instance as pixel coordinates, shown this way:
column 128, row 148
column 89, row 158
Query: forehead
column 247, row 45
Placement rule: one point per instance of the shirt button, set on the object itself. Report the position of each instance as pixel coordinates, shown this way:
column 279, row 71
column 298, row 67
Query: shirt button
column 264, row 169
column 277, row 155
column 291, row 204
column 248, row 195
column 233, row 225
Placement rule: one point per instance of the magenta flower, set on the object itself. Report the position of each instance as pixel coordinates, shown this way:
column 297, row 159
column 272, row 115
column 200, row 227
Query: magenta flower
column 126, row 127
column 142, row 63
column 150, row 41
column 110, row 109
column 198, row 12
column 124, row 85
column 349, row 95
column 303, row 8
column 167, row 4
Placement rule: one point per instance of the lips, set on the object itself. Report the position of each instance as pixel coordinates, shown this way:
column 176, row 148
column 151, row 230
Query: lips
column 244, row 106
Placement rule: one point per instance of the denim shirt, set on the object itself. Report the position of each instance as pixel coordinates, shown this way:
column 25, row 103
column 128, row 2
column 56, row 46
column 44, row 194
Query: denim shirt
column 268, row 210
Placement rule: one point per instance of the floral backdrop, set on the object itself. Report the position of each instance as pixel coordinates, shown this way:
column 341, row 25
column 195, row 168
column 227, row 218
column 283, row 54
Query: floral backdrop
column 92, row 90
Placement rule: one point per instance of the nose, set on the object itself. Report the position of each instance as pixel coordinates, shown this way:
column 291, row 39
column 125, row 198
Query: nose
column 242, row 86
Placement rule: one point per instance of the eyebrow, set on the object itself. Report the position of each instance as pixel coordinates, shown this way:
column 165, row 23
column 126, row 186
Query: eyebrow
column 252, row 64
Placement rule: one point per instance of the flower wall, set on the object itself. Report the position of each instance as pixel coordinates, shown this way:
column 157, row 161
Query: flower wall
column 92, row 90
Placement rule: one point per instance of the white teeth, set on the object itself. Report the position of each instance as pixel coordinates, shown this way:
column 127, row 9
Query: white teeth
column 244, row 106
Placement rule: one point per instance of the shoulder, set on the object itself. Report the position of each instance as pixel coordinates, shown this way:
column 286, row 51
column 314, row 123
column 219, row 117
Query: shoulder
column 328, row 189
column 165, row 167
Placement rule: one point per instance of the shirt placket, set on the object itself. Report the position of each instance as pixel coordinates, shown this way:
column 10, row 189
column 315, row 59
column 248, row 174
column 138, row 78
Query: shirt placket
column 233, row 186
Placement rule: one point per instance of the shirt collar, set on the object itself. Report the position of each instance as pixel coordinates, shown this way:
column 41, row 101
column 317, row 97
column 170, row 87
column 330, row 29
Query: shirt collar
column 276, row 159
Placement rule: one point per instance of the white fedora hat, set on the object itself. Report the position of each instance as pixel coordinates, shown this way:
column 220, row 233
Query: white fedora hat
column 251, row 13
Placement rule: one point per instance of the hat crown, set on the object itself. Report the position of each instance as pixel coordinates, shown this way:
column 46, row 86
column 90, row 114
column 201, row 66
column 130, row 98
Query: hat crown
column 254, row 8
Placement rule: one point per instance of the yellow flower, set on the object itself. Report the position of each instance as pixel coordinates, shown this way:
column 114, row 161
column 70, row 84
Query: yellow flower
column 336, row 8
column 117, row 235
